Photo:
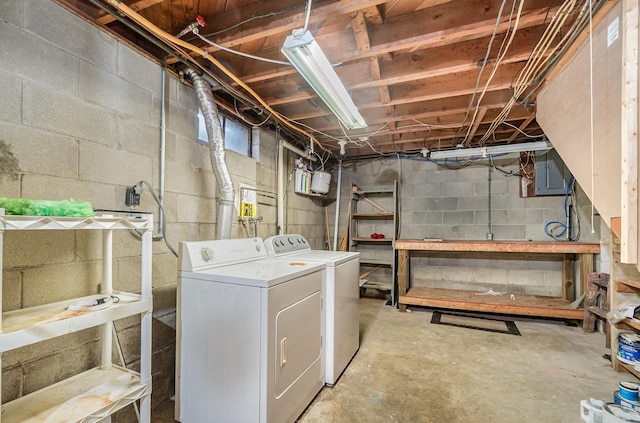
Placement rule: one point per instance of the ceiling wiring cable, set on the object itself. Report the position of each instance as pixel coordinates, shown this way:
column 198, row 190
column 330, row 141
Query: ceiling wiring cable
column 575, row 33
column 520, row 130
column 307, row 17
column 252, row 18
column 484, row 64
column 544, row 54
column 503, row 51
column 240, row 53
column 255, row 125
column 205, row 54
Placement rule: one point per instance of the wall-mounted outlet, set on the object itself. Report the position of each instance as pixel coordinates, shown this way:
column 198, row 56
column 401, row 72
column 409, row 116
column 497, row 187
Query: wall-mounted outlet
column 132, row 196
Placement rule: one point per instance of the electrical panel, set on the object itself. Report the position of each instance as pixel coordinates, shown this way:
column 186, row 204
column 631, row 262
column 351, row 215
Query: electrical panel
column 552, row 176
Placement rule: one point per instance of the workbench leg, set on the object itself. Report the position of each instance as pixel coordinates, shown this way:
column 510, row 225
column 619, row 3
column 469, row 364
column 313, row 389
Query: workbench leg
column 568, row 278
column 586, row 267
column 403, row 277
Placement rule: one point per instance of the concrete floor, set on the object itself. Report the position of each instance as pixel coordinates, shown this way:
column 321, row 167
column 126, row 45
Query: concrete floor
column 409, row 370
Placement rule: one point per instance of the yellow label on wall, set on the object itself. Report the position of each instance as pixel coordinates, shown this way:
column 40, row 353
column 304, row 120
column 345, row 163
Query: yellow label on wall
column 248, row 203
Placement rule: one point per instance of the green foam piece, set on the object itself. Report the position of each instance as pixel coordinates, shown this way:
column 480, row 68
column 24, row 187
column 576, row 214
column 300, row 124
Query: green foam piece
column 28, row 207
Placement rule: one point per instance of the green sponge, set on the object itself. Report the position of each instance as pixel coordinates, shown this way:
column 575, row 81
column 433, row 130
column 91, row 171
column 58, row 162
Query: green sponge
column 27, row 207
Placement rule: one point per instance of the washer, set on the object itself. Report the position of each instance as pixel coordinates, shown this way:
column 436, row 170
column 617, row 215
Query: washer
column 249, row 331
column 342, row 325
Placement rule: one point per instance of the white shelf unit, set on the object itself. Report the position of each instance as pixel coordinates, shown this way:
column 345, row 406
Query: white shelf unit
column 91, row 396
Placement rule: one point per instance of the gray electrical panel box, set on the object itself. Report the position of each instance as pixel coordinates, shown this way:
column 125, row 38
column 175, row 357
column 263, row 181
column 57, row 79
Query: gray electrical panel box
column 552, row 176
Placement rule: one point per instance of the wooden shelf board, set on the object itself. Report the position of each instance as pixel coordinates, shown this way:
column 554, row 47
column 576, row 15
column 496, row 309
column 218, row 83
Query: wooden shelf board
column 363, row 239
column 627, row 367
column 375, row 262
column 372, row 215
column 499, row 246
column 30, row 325
column 629, row 282
column 600, row 312
column 628, row 324
column 373, row 191
column 383, row 286
column 90, row 395
column 524, row 305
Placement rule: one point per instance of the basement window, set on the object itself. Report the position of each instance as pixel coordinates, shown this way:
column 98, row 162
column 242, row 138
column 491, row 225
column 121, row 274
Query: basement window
column 237, row 136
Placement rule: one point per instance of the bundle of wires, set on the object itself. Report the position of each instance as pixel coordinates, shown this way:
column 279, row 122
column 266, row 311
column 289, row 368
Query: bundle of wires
column 562, row 231
column 28, row 207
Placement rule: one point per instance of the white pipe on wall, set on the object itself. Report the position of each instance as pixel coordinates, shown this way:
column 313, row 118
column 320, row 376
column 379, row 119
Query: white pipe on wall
column 280, row 189
column 335, row 228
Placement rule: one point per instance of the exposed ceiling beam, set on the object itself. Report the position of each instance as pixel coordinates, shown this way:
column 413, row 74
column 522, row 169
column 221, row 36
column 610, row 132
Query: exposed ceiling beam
column 136, row 6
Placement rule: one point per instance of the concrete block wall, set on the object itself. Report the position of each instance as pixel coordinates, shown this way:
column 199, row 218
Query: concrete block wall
column 451, row 202
column 80, row 118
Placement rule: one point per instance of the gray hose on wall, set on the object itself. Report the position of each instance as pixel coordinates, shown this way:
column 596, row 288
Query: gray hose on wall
column 224, row 218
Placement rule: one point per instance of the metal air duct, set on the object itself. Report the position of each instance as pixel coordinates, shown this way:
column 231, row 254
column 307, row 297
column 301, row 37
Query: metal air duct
column 224, row 217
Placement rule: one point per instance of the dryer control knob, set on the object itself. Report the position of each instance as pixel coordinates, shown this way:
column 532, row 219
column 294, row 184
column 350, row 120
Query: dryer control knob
column 207, row 254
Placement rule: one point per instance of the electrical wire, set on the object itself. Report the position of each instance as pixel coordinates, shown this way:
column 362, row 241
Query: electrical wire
column 163, row 222
column 484, row 64
column 205, row 54
column 520, row 130
column 307, row 17
column 501, row 53
column 240, row 53
column 544, row 54
column 255, row 125
column 252, row 18
column 557, row 230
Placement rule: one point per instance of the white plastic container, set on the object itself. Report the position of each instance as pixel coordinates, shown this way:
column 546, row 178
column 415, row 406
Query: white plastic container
column 591, row 410
column 614, row 413
column 320, row 182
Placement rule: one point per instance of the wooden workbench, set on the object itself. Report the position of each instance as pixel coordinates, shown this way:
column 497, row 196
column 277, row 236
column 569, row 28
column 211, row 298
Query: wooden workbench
column 528, row 305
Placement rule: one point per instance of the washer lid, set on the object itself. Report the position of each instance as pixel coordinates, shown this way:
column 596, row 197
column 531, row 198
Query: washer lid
column 262, row 273
column 330, row 258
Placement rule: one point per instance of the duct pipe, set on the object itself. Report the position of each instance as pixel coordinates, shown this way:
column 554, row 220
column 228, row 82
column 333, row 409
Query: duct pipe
column 224, row 218
column 335, row 226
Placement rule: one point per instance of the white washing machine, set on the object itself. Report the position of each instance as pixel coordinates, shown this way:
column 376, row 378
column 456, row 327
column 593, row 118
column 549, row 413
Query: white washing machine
column 342, row 325
column 249, row 330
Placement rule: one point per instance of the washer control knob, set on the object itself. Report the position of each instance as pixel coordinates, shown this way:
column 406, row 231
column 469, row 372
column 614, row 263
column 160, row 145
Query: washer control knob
column 206, row 253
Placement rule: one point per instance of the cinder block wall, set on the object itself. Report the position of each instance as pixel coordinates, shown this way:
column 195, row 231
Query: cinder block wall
column 80, row 118
column 451, row 202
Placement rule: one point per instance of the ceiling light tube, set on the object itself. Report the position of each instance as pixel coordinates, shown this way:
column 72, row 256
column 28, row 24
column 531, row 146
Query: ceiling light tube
column 308, row 58
column 489, row 151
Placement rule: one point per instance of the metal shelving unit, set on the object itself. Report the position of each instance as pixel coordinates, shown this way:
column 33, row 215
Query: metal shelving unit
column 374, row 211
column 93, row 395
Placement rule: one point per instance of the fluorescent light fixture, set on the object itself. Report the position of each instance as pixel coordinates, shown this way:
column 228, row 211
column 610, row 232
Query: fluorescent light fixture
column 489, row 151
column 306, row 56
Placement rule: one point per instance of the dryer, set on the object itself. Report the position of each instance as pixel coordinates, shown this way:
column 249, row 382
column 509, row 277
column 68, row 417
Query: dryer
column 249, row 330
column 342, row 292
